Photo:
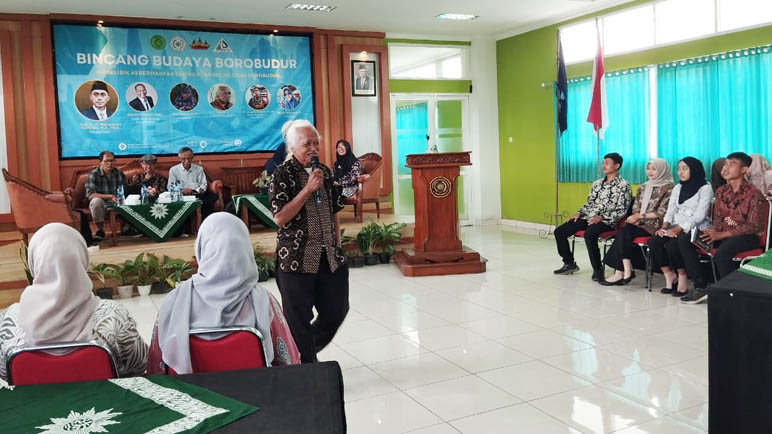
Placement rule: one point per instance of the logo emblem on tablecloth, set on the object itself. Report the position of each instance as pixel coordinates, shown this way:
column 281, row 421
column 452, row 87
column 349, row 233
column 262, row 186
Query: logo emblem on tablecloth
column 440, row 187
column 159, row 211
column 87, row 422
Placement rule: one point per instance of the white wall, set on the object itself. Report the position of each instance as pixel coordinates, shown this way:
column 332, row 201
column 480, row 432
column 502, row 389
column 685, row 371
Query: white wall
column 366, row 114
column 5, row 203
column 485, row 203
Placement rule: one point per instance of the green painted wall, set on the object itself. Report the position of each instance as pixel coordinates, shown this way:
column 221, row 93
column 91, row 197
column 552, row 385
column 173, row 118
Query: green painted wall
column 429, row 86
column 525, row 111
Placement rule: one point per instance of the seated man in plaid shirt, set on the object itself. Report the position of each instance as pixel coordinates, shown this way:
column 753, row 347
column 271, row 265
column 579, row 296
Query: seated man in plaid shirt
column 102, row 189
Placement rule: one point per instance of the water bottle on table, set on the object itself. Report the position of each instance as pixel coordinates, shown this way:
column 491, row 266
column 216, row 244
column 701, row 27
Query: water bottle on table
column 143, row 193
column 119, row 195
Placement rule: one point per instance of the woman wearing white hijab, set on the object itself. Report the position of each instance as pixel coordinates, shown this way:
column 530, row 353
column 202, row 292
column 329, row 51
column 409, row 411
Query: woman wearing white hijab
column 760, row 174
column 649, row 209
column 224, row 292
column 60, row 306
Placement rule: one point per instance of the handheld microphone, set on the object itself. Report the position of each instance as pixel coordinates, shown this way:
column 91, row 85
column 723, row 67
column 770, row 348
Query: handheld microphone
column 314, row 166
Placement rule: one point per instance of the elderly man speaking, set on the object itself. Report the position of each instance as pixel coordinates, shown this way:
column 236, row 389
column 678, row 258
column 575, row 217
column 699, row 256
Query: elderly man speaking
column 311, row 268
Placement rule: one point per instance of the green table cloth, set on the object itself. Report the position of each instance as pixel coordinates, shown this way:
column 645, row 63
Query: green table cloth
column 258, row 205
column 157, row 404
column 158, row 221
column 760, row 267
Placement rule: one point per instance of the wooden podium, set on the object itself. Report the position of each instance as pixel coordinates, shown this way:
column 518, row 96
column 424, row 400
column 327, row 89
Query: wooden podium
column 437, row 249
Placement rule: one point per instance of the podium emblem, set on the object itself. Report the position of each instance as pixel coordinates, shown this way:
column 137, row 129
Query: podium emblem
column 440, row 187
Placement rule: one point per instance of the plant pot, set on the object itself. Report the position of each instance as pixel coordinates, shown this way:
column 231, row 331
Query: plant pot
column 126, row 291
column 144, row 290
column 371, row 259
column 160, row 288
column 105, row 293
column 357, row 261
column 263, row 276
column 384, row 258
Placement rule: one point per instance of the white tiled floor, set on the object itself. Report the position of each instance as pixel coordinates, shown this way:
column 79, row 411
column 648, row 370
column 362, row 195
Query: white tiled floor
column 514, row 350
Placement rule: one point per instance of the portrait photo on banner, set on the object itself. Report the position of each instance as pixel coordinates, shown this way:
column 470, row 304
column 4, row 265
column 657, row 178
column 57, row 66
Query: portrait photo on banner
column 96, row 100
column 363, row 78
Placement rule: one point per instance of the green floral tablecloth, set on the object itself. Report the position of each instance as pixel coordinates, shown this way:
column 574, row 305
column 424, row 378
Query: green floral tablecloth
column 158, row 221
column 760, row 267
column 258, row 205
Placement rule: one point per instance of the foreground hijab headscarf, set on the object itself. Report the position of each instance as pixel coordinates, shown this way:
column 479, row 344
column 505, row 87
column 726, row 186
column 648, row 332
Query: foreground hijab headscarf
column 59, row 305
column 224, row 292
column 696, row 179
column 664, row 177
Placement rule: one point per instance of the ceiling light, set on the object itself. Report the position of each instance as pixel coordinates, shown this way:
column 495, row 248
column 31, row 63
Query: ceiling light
column 456, row 17
column 311, row 8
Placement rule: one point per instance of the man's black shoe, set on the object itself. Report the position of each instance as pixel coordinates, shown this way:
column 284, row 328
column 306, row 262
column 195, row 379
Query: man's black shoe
column 597, row 277
column 130, row 232
column 567, row 269
column 99, row 236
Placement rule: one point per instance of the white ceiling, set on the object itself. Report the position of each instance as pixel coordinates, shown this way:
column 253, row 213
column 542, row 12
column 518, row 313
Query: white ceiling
column 497, row 18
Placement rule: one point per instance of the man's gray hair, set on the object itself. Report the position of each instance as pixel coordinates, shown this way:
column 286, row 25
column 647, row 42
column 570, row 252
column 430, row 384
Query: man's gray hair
column 292, row 131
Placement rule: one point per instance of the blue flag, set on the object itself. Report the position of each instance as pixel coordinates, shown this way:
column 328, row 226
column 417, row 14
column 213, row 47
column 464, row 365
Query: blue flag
column 561, row 90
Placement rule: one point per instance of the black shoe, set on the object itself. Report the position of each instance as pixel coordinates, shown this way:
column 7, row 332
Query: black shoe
column 697, row 295
column 679, row 294
column 567, row 269
column 130, row 232
column 620, row 282
column 667, row 290
column 99, row 236
column 598, row 277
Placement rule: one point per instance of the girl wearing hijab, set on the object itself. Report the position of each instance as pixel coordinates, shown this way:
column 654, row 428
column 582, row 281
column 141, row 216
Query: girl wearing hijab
column 760, row 175
column 224, row 292
column 688, row 209
column 59, row 305
column 347, row 169
column 716, row 180
column 648, row 211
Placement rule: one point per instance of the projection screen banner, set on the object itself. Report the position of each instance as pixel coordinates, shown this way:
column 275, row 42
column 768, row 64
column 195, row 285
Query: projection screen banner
column 135, row 91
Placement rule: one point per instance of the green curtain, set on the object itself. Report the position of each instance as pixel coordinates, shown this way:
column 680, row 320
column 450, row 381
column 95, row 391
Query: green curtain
column 627, row 97
column 412, row 128
column 711, row 106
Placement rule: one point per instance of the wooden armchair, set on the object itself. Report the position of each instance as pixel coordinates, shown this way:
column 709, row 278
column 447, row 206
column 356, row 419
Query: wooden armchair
column 34, row 207
column 239, row 179
column 369, row 185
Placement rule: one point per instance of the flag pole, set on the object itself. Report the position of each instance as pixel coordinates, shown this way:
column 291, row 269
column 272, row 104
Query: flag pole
column 597, row 151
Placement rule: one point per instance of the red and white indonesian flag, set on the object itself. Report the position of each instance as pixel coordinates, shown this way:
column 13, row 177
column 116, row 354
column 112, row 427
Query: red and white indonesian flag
column 598, row 115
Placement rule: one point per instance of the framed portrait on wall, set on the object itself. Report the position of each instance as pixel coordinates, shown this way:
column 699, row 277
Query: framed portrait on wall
column 363, row 78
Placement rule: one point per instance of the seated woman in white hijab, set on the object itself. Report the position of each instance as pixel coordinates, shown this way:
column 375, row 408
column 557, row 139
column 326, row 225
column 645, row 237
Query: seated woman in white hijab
column 224, row 292
column 60, row 306
column 760, row 175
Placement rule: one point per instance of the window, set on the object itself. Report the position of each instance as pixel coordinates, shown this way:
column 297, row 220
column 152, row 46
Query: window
column 735, row 14
column 629, row 30
column 428, row 62
column 678, row 20
column 579, row 41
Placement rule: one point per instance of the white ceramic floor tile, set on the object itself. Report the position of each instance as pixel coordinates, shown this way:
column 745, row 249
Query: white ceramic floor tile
column 544, row 343
column 355, row 331
column 654, row 351
column 483, row 356
column 515, row 419
column 334, row 352
column 362, row 382
column 664, row 425
column 418, row 370
column 596, row 365
column 547, row 316
column 499, row 327
column 457, row 310
column 410, row 320
column 532, row 380
column 436, row 429
column 695, row 416
column 383, row 349
column 595, row 410
column 695, row 336
column 661, row 389
column 392, row 413
column 461, row 397
column 440, row 338
column 694, row 369
column 596, row 331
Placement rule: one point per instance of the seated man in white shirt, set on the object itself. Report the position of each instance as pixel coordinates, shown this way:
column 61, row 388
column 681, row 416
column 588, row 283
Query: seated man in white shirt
column 192, row 180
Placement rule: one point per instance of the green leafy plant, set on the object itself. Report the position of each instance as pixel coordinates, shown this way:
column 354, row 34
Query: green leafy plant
column 143, row 271
column 368, row 238
column 124, row 273
column 389, row 235
column 176, row 270
column 23, row 252
column 262, row 181
column 155, row 268
column 265, row 263
column 97, row 271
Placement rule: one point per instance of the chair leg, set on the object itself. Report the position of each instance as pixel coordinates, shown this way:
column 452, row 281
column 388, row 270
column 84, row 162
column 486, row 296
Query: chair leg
column 378, row 208
column 25, row 238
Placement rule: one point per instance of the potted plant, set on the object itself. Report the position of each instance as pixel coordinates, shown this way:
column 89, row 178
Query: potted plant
column 158, row 275
column 367, row 238
column 390, row 234
column 177, row 270
column 262, row 182
column 23, row 256
column 143, row 274
column 351, row 250
column 265, row 264
column 125, row 275
column 98, row 272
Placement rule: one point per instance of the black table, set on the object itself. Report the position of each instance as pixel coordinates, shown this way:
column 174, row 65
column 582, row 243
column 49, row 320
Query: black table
column 740, row 355
column 292, row 399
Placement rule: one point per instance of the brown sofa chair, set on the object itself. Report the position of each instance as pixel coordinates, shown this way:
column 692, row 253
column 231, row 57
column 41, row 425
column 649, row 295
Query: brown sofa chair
column 77, row 189
column 34, row 207
column 369, row 185
column 239, row 179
